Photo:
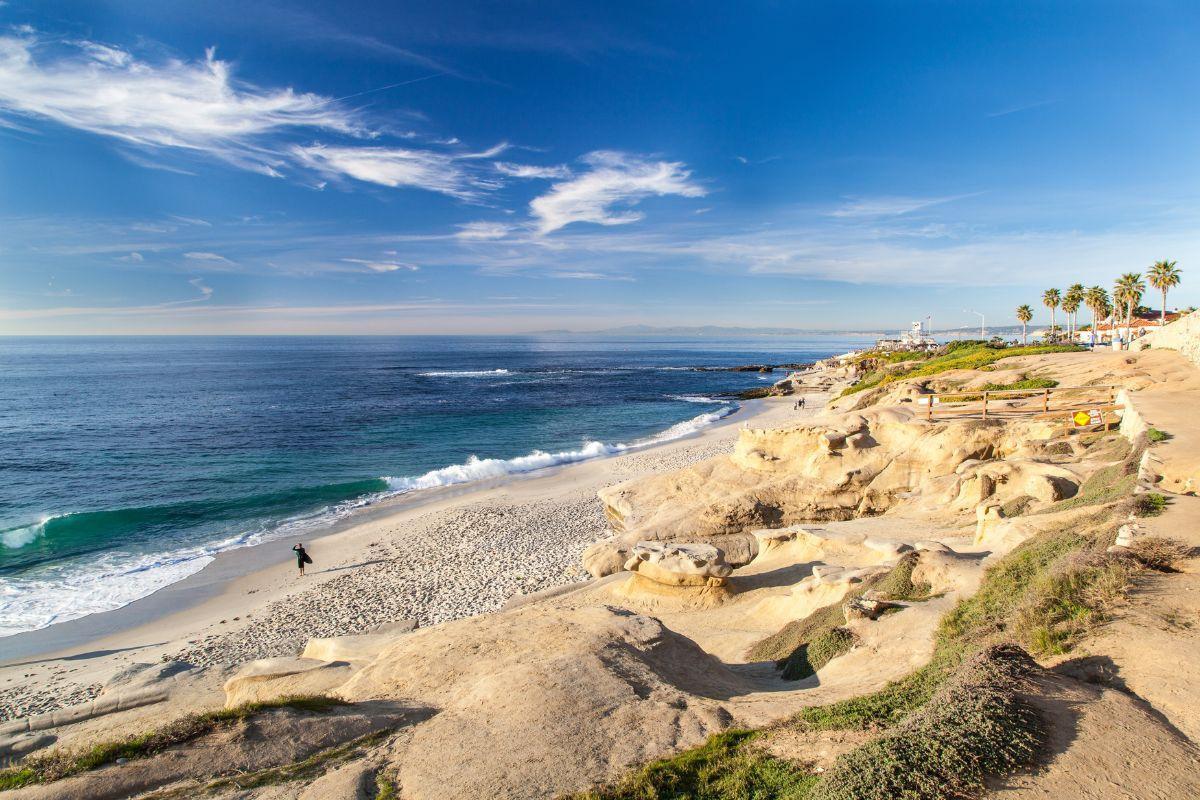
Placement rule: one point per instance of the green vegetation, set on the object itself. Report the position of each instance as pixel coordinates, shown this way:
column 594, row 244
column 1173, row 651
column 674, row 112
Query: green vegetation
column 968, row 356
column 1027, row 383
column 385, row 788
column 974, row 726
column 1016, row 506
column 803, row 646
column 315, row 765
column 1154, row 435
column 1150, row 504
column 948, row 725
column 726, row 767
column 1103, row 486
column 818, row 651
column 58, row 764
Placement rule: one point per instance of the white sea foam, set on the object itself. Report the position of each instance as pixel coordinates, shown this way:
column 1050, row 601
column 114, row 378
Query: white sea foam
column 77, row 587
column 19, row 537
column 696, row 398
column 476, row 468
column 469, row 373
column 74, row 588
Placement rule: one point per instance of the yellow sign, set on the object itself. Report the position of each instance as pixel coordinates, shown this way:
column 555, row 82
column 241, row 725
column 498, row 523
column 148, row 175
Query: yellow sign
column 1082, row 418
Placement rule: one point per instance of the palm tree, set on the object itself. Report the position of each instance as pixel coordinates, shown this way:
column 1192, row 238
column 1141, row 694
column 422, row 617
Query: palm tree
column 1024, row 314
column 1096, row 299
column 1164, row 275
column 1050, row 299
column 1070, row 304
column 1128, row 292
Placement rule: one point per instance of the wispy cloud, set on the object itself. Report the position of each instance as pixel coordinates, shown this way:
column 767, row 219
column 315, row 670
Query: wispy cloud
column 614, row 180
column 205, row 291
column 891, row 206
column 183, row 105
column 377, row 265
column 532, row 171
column 445, row 173
column 1004, row 112
column 589, row 276
column 209, row 257
column 203, row 223
column 483, row 231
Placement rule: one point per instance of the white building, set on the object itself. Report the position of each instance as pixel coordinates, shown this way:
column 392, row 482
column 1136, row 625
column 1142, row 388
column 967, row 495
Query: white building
column 915, row 338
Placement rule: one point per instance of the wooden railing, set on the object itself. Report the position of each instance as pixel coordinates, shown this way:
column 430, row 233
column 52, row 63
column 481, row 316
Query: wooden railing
column 960, row 401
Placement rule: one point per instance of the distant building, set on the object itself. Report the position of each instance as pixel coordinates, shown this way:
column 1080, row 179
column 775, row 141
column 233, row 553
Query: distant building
column 1141, row 324
column 914, row 339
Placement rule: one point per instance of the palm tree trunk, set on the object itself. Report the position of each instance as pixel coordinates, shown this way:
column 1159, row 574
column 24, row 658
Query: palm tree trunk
column 1162, row 317
column 1024, row 338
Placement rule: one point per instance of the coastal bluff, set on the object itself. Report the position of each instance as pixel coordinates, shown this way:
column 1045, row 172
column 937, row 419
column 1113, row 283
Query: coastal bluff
column 846, row 587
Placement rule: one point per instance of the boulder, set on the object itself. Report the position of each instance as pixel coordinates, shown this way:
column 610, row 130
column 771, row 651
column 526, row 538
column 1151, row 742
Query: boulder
column 271, row 678
column 604, row 557
column 679, row 564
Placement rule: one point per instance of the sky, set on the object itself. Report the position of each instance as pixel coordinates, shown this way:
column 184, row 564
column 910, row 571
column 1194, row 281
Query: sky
column 360, row 167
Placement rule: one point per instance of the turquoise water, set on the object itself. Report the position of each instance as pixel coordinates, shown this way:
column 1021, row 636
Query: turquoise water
column 128, row 463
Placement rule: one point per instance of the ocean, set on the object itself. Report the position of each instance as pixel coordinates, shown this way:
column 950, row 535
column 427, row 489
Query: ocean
column 128, row 463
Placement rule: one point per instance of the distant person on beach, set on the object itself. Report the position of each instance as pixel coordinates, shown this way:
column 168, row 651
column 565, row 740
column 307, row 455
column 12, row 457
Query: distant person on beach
column 302, row 557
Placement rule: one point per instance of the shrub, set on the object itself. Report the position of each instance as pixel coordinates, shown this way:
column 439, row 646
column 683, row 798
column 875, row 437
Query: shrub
column 1150, row 504
column 976, row 725
column 1154, row 435
column 1159, row 553
column 726, row 767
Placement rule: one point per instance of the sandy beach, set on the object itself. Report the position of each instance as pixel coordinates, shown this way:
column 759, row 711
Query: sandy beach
column 429, row 557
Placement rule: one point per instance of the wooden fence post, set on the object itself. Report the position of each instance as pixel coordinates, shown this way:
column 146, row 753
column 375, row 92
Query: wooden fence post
column 985, row 394
column 1046, row 402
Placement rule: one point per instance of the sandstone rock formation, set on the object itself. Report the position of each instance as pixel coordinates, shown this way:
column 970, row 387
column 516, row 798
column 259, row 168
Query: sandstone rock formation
column 679, row 564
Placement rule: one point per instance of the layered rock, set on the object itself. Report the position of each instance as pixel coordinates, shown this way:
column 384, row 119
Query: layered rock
column 834, row 468
column 679, row 564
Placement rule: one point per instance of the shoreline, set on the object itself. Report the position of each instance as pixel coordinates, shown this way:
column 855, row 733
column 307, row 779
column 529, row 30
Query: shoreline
column 234, row 562
column 228, row 611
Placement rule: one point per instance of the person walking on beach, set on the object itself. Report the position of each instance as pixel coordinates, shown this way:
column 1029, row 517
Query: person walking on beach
column 302, row 557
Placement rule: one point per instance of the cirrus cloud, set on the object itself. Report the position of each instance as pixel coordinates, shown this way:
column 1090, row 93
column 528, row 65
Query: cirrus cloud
column 614, row 180
column 193, row 106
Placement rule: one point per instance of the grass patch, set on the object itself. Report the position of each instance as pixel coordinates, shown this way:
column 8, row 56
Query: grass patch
column 726, row 767
column 1105, row 485
column 58, row 764
column 975, row 725
column 973, row 356
column 1150, row 504
column 1016, row 506
column 803, row 646
column 385, row 788
column 1154, row 435
column 810, row 656
column 889, row 705
column 310, row 768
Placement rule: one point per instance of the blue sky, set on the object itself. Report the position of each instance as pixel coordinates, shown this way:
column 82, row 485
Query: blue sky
column 444, row 167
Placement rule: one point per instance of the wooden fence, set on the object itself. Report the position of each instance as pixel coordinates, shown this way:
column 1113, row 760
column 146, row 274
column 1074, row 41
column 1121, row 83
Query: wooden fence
column 1051, row 402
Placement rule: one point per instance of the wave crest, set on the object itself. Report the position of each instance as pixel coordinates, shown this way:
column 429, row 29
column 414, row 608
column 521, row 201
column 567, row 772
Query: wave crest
column 466, row 373
column 475, row 468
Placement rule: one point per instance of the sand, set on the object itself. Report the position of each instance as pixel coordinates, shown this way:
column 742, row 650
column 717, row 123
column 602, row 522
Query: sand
column 431, row 558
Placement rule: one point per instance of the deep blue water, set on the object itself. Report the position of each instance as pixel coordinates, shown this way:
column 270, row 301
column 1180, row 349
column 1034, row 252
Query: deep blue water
column 128, row 462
